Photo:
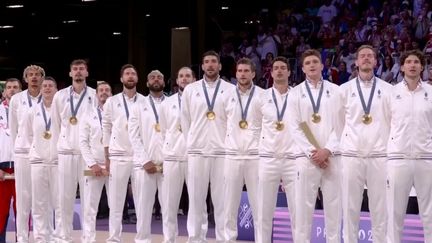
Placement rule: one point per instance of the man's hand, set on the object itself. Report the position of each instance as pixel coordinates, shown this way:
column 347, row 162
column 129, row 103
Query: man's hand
column 2, row 175
column 150, row 167
column 321, row 157
column 97, row 170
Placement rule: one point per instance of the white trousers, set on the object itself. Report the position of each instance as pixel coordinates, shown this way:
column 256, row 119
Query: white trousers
column 45, row 202
column 23, row 188
column 174, row 176
column 309, row 178
column 356, row 173
column 120, row 171
column 271, row 172
column 237, row 174
column 144, row 186
column 70, row 175
column 93, row 186
column 402, row 175
column 201, row 172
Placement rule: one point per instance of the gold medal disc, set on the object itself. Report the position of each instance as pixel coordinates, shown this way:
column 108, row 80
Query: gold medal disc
column 157, row 127
column 47, row 135
column 210, row 115
column 279, row 125
column 73, row 120
column 367, row 119
column 316, row 118
column 243, row 124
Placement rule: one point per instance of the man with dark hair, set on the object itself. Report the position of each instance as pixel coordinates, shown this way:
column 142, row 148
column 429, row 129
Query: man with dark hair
column 410, row 147
column 68, row 109
column 277, row 151
column 118, row 148
column 7, row 185
column 92, row 150
column 175, row 156
column 146, row 139
column 241, row 145
column 203, row 122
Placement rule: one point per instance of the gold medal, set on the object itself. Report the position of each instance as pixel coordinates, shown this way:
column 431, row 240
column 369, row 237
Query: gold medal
column 367, row 119
column 157, row 127
column 280, row 125
column 47, row 135
column 316, row 118
column 243, row 124
column 73, row 120
column 210, row 115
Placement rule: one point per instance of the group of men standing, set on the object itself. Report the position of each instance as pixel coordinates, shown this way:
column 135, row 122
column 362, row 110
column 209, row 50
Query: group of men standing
column 315, row 135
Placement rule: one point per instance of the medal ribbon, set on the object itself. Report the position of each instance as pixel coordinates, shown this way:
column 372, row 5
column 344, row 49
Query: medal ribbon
column 280, row 114
column 366, row 107
column 318, row 103
column 210, row 106
column 75, row 111
column 244, row 112
column 46, row 121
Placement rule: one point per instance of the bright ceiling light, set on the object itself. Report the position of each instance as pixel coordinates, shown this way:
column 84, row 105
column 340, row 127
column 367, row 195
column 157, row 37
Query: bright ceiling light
column 147, row 15
column 116, row 33
column 70, row 21
column 224, row 8
column 53, row 37
column 6, row 26
column 15, row 6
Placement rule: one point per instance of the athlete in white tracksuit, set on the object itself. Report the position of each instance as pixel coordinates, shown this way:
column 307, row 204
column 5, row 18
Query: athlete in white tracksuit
column 19, row 106
column 146, row 138
column 68, row 109
column 277, row 151
column 241, row 146
column 175, row 156
column 363, row 147
column 44, row 167
column 118, row 149
column 203, row 123
column 410, row 148
column 92, row 150
column 317, row 167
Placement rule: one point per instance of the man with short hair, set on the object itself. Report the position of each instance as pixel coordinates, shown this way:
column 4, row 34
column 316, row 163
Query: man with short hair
column 92, row 150
column 175, row 156
column 241, row 146
column 20, row 105
column 44, row 166
column 145, row 136
column 410, row 147
column 363, row 146
column 7, row 186
column 68, row 110
column 277, row 151
column 203, row 122
column 316, row 103
column 118, row 148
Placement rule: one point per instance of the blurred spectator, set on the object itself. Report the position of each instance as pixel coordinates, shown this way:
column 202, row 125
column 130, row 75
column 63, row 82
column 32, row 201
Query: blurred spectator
column 267, row 42
column 327, row 12
column 343, row 74
column 267, row 80
column 253, row 52
column 387, row 71
column 329, row 71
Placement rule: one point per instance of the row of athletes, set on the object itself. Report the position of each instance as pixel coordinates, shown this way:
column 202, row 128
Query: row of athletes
column 314, row 135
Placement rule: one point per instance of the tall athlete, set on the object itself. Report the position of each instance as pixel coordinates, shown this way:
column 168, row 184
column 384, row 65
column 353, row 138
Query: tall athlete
column 203, row 123
column 118, row 149
column 20, row 105
column 174, row 155
column 68, row 109
column 241, row 146
column 92, row 150
column 363, row 146
column 7, row 187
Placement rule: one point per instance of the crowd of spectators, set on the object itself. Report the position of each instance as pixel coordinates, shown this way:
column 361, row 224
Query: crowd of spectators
column 336, row 28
